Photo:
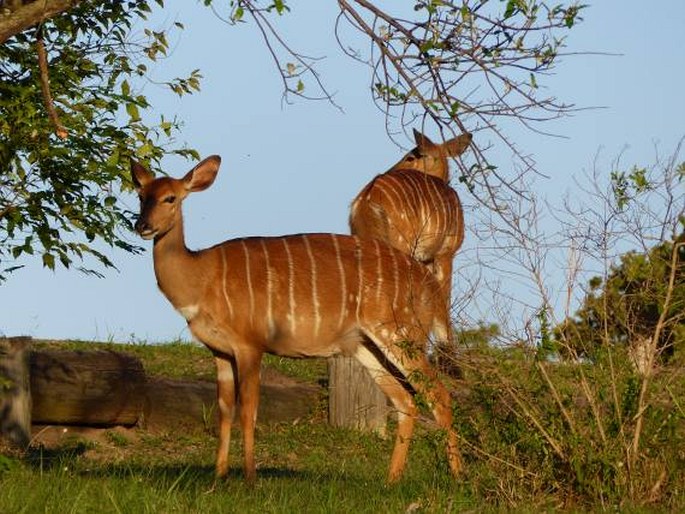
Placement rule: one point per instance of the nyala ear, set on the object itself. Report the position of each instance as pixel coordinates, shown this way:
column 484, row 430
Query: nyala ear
column 202, row 176
column 422, row 141
column 140, row 175
column 458, row 145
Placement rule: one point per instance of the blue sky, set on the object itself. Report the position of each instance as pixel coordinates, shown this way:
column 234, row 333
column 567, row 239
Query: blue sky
column 295, row 168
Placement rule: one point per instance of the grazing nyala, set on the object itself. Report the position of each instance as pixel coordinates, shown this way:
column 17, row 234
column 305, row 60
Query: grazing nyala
column 305, row 295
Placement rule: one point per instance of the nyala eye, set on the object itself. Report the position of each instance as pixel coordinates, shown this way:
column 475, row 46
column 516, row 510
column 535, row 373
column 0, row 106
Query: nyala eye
column 169, row 199
column 413, row 155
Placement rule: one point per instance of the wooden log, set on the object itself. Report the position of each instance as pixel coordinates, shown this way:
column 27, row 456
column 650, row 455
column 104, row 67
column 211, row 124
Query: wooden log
column 173, row 404
column 355, row 401
column 178, row 404
column 96, row 388
column 15, row 395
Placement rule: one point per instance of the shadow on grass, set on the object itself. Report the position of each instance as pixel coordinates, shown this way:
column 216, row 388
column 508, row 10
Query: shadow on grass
column 71, row 457
column 39, row 457
column 178, row 473
column 196, row 472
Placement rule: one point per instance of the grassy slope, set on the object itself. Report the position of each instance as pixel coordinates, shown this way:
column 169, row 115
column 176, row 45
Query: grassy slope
column 303, row 467
column 310, row 467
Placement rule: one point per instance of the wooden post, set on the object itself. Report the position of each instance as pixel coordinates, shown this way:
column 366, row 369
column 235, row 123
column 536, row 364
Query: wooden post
column 355, row 401
column 15, row 395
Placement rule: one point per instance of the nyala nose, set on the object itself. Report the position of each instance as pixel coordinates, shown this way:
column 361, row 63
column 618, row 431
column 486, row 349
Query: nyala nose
column 142, row 226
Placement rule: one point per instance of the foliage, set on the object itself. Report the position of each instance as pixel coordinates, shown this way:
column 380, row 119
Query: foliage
column 631, row 302
column 638, row 300
column 480, row 336
column 560, row 433
column 59, row 192
column 444, row 354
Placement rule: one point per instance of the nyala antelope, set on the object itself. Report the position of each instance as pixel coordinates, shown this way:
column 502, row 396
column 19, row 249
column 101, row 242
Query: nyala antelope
column 413, row 209
column 305, row 295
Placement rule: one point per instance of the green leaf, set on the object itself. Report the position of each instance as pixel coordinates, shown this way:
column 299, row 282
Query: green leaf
column 132, row 110
column 454, row 108
column 49, row 261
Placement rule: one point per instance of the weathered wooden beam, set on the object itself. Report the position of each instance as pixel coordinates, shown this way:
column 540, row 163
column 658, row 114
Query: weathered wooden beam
column 96, row 388
column 193, row 405
column 107, row 388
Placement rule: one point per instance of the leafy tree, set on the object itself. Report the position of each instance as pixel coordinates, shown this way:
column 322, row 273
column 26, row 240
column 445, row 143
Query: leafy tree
column 642, row 299
column 68, row 73
column 68, row 122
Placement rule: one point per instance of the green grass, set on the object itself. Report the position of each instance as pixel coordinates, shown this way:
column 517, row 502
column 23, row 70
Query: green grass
column 304, row 467
column 508, row 413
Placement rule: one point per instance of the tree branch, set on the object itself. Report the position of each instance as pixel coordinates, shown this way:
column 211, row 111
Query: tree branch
column 15, row 17
column 45, row 85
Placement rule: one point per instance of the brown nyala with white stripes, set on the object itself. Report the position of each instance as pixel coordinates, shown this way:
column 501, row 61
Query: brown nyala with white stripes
column 306, row 295
column 412, row 207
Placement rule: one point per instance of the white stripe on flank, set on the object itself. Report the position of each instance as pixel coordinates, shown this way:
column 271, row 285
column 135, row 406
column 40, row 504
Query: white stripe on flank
column 343, row 300
column 360, row 277
column 269, row 291
column 410, row 186
column 438, row 210
column 387, row 188
column 379, row 272
column 246, row 251
column 315, row 293
column 291, row 288
column 396, row 276
column 450, row 212
column 425, row 208
column 223, row 282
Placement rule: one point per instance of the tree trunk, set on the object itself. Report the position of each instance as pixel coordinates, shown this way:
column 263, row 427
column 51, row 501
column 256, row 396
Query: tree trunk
column 97, row 388
column 355, row 401
column 15, row 396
